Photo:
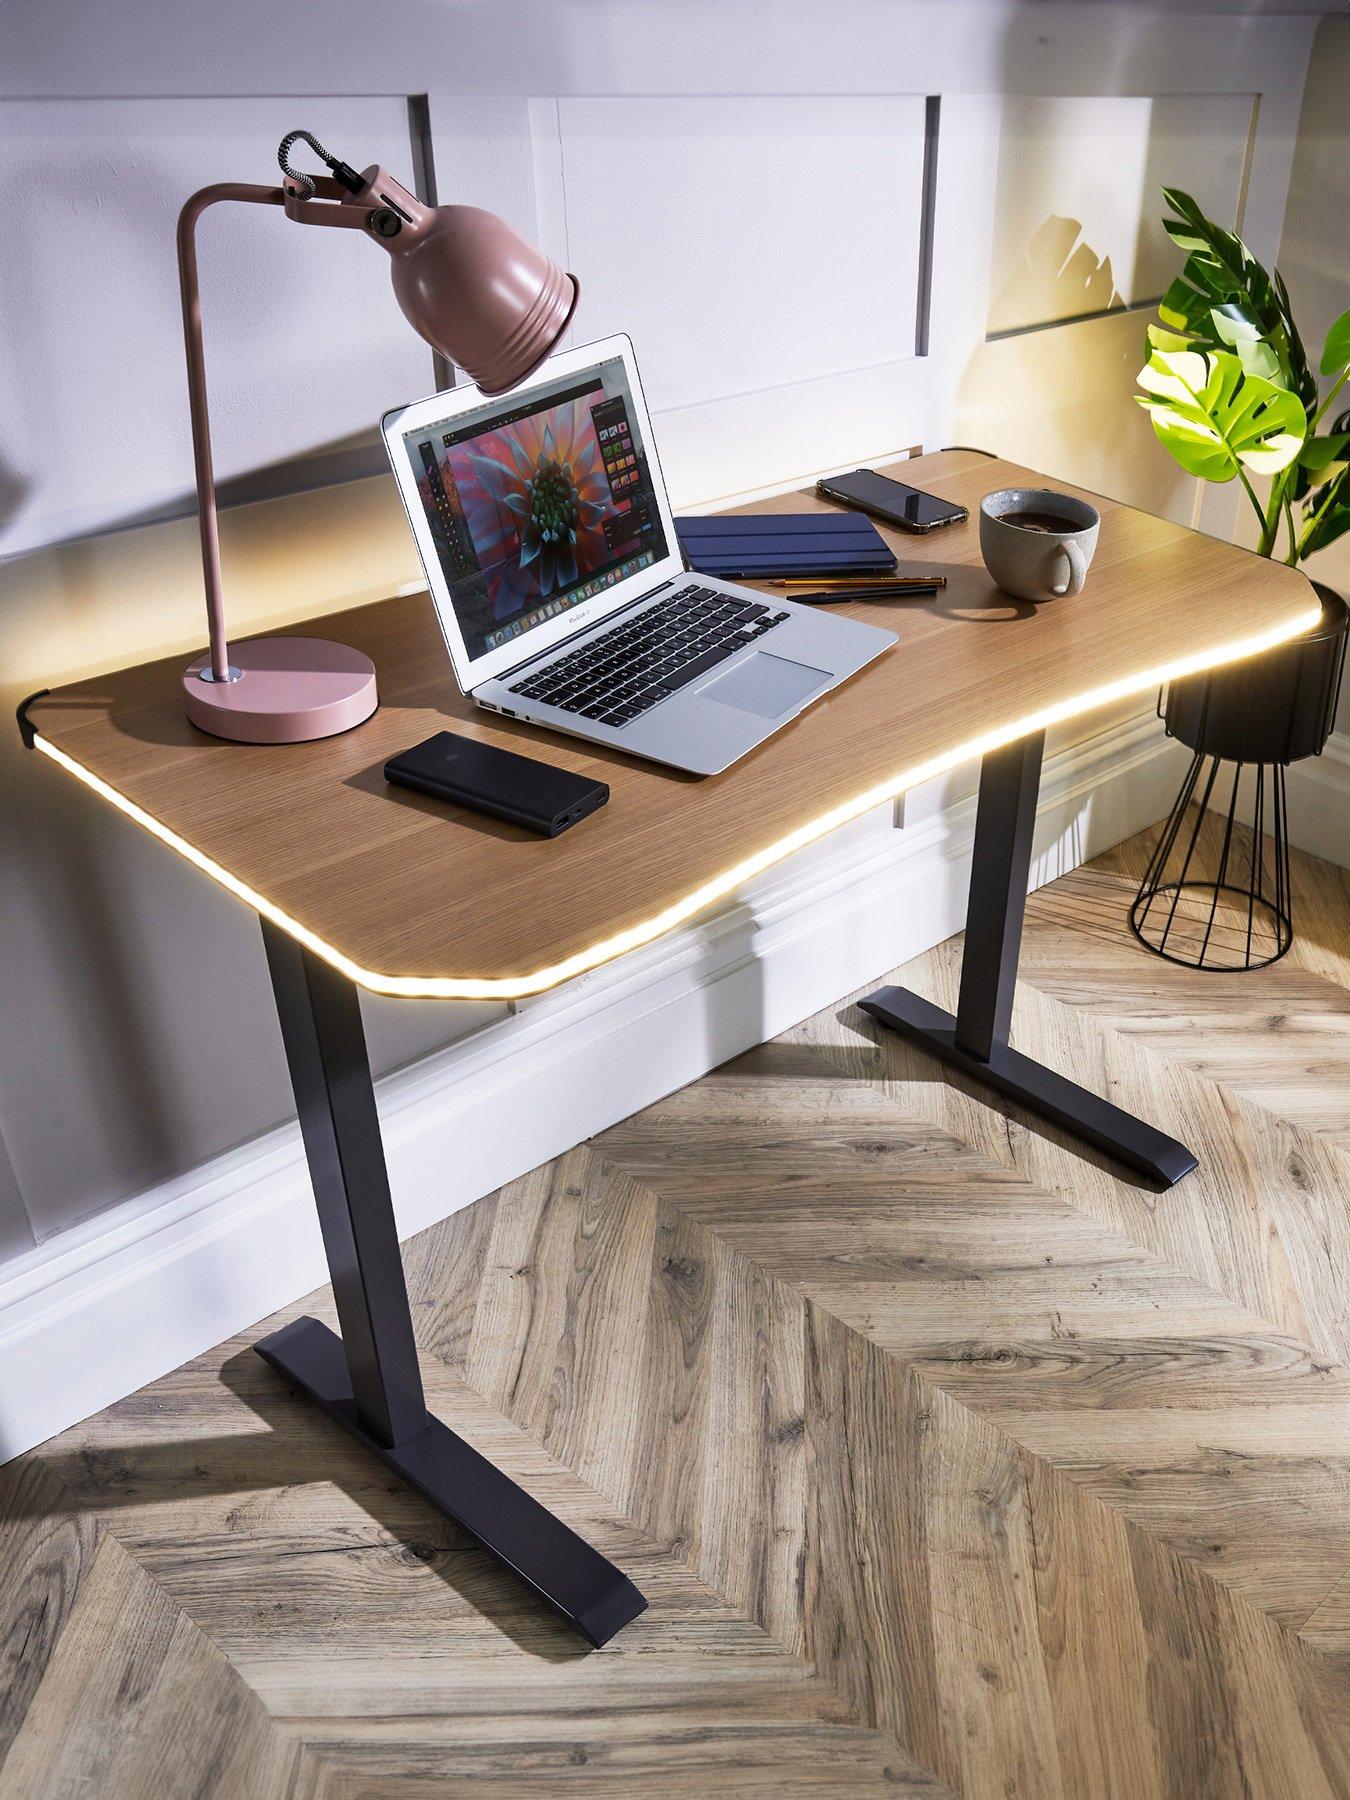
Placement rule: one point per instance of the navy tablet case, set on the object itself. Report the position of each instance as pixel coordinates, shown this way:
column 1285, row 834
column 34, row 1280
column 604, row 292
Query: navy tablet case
column 762, row 545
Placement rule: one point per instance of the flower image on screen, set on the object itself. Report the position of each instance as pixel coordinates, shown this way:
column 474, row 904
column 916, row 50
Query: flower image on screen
column 536, row 502
column 534, row 494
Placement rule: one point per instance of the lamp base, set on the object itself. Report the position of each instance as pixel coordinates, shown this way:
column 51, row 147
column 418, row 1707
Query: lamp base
column 289, row 690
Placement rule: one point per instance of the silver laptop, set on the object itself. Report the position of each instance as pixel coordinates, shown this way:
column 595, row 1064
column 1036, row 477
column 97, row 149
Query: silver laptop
column 546, row 535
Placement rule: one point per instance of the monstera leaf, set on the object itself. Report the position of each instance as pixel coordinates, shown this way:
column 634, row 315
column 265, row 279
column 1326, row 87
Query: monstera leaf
column 1321, row 453
column 1225, row 298
column 1243, row 337
column 1330, row 521
column 1215, row 418
column 1326, row 512
column 1231, row 392
column 1336, row 353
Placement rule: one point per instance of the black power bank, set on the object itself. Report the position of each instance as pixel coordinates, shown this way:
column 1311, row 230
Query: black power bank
column 497, row 782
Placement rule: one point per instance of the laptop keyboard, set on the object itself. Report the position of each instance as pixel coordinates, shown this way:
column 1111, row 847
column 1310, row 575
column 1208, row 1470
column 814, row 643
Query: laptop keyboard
column 627, row 671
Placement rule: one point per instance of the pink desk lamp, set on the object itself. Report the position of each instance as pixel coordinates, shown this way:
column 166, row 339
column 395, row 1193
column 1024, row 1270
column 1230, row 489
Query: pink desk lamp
column 477, row 292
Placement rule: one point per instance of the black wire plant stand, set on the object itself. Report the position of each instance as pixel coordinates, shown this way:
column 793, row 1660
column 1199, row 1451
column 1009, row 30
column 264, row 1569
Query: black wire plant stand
column 1234, row 911
column 1180, row 919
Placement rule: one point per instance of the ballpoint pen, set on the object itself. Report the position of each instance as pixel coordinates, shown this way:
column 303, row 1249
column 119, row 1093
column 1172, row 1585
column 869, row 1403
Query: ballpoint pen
column 909, row 590
column 896, row 584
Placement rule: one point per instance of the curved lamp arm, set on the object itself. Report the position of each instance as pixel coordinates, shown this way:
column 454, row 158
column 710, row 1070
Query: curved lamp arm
column 306, row 212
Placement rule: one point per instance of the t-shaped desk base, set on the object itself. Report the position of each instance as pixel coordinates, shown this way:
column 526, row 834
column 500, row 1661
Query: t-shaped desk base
column 975, row 1040
column 368, row 1380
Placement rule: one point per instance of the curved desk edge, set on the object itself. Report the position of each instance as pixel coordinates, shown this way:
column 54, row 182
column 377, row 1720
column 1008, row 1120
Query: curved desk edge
column 515, row 987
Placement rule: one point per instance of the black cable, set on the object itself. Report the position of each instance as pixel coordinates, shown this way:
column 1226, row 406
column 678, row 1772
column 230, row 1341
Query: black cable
column 342, row 171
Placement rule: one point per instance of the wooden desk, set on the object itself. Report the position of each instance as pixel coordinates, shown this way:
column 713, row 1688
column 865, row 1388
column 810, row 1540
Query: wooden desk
column 359, row 885
column 389, row 887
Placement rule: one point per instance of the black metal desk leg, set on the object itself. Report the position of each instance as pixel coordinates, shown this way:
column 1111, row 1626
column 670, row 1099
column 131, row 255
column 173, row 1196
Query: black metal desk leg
column 1005, row 819
column 368, row 1380
column 976, row 1039
column 325, row 1043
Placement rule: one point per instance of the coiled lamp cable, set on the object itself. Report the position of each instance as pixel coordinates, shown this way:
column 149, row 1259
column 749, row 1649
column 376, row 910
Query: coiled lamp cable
column 343, row 172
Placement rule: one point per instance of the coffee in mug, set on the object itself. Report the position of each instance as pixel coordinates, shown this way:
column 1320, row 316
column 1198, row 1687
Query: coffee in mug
column 1037, row 544
column 1039, row 521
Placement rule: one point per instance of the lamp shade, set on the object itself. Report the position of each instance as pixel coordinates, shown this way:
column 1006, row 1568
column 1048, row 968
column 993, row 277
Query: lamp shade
column 471, row 286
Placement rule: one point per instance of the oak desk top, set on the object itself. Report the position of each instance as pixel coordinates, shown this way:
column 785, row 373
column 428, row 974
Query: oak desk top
column 408, row 896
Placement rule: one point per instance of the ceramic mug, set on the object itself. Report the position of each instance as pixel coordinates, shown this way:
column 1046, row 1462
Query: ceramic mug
column 1037, row 544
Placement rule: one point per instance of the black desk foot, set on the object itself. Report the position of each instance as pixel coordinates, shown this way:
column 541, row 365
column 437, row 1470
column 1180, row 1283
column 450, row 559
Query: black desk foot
column 587, row 1590
column 976, row 1038
column 1152, row 1153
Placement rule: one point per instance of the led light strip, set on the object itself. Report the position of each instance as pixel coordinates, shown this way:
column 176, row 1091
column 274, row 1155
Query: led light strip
column 514, row 987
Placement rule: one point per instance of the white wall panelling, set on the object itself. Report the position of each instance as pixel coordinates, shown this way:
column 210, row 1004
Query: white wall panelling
column 771, row 294
column 542, row 47
column 303, row 341
column 1319, row 801
column 784, row 247
column 1077, row 222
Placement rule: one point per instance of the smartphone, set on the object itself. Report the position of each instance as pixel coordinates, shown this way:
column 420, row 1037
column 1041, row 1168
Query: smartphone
column 907, row 507
column 484, row 778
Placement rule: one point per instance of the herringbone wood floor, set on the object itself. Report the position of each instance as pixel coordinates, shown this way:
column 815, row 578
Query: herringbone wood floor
column 951, row 1462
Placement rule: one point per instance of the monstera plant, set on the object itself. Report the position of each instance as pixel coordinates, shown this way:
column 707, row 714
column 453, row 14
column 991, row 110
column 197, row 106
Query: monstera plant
column 1232, row 396
column 1231, row 392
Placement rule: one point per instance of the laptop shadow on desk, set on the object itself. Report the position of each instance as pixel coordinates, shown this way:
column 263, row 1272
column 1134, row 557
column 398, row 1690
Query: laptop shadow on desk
column 541, row 741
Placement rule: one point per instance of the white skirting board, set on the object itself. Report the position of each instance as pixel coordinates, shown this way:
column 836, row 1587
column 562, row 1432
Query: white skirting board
column 1319, row 802
column 98, row 1312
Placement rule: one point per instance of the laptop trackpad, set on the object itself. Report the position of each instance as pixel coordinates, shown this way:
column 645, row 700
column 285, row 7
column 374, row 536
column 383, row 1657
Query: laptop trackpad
column 765, row 684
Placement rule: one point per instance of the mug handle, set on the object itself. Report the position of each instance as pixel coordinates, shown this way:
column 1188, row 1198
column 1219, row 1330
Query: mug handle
column 1074, row 571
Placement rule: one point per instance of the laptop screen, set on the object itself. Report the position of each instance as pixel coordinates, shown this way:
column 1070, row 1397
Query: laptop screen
column 537, row 504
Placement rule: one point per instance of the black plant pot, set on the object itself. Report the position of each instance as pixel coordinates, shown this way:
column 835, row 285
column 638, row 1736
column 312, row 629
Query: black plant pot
column 1258, row 716
column 1274, row 708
